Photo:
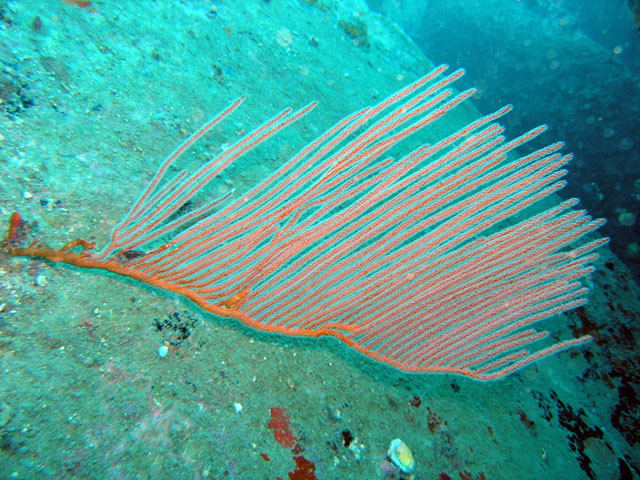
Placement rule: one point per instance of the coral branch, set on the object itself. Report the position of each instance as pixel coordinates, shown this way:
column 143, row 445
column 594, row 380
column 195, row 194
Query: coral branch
column 418, row 263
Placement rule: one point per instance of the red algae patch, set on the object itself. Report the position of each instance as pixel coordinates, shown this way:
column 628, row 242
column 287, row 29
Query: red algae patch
column 281, row 427
column 305, row 470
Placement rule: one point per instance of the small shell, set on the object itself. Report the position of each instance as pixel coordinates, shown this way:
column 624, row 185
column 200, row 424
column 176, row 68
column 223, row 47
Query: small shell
column 401, row 456
column 284, row 37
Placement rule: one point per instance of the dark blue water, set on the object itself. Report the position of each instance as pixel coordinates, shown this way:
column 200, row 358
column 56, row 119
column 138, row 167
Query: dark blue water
column 574, row 65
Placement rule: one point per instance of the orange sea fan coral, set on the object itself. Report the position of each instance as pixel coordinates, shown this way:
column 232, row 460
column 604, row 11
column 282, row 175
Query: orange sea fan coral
column 408, row 261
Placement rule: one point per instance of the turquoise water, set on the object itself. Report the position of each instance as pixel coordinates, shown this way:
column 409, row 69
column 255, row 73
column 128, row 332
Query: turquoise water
column 106, row 377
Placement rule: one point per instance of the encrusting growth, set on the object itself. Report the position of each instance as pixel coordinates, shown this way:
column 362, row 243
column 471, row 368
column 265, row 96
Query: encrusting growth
column 409, row 261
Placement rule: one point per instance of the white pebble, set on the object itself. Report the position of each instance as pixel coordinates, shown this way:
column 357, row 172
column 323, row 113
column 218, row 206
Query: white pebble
column 401, row 456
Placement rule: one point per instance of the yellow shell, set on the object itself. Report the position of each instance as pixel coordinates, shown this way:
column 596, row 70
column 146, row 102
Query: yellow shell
column 401, row 456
